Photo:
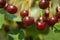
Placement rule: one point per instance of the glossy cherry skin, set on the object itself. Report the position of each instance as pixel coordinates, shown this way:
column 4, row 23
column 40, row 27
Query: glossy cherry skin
column 39, row 19
column 5, row 7
column 57, row 8
column 51, row 21
column 46, row 14
column 43, row 4
column 40, row 25
column 2, row 3
column 27, row 20
column 24, row 13
column 57, row 12
column 11, row 8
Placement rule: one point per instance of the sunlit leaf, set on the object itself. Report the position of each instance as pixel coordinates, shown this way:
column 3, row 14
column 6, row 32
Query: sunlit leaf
column 1, row 20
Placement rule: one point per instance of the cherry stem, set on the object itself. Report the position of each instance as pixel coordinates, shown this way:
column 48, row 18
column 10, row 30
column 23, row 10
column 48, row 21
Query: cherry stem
column 50, row 15
column 59, row 2
column 14, row 2
column 42, row 14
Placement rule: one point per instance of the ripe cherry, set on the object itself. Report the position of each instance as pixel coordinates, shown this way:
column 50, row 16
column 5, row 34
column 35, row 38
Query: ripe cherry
column 11, row 8
column 46, row 14
column 24, row 13
column 40, row 19
column 6, row 6
column 43, row 4
column 40, row 25
column 27, row 20
column 2, row 3
column 58, row 12
column 51, row 21
column 58, row 9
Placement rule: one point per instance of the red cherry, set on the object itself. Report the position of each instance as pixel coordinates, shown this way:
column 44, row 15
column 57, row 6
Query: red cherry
column 27, row 20
column 57, row 8
column 46, row 14
column 40, row 25
column 52, row 20
column 24, row 13
column 11, row 8
column 43, row 4
column 40, row 19
column 57, row 11
column 6, row 6
column 2, row 3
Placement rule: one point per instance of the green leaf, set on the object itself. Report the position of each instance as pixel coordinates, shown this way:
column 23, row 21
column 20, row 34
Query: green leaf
column 19, row 36
column 31, row 31
column 10, row 38
column 57, row 26
column 2, row 11
column 9, row 16
column 1, row 20
column 51, row 35
column 14, row 31
column 59, row 2
column 35, row 12
column 17, row 19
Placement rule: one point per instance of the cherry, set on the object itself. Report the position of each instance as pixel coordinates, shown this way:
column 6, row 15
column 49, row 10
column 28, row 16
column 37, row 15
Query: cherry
column 40, row 25
column 57, row 11
column 39, row 19
column 43, row 4
column 42, row 18
column 46, row 14
column 52, row 20
column 2, row 3
column 27, row 20
column 6, row 6
column 11, row 8
column 24, row 13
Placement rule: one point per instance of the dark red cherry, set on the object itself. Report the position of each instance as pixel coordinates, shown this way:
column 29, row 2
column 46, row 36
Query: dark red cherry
column 58, row 9
column 46, row 14
column 39, row 19
column 52, row 20
column 2, row 3
column 11, row 8
column 5, row 7
column 40, row 25
column 24, row 13
column 27, row 20
column 43, row 4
